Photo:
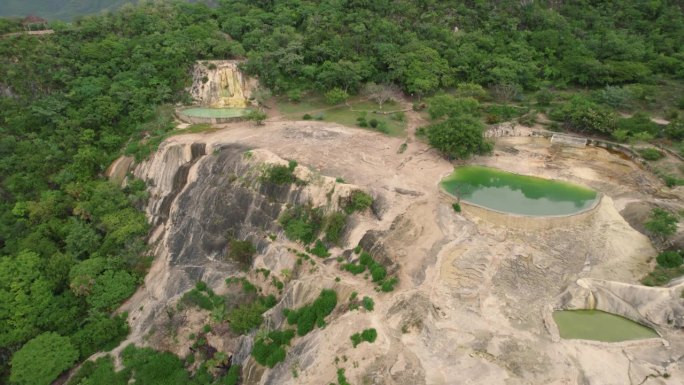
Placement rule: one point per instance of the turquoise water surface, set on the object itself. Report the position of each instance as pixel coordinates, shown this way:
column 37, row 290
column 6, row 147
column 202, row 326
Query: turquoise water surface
column 201, row 112
column 517, row 194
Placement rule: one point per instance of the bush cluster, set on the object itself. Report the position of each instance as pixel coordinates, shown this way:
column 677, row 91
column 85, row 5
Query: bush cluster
column 357, row 201
column 309, row 316
column 270, row 349
column 368, row 335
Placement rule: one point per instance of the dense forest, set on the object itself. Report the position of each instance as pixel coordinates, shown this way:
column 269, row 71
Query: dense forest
column 72, row 245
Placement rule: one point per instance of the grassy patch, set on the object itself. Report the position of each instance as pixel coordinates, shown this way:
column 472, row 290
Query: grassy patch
column 314, row 107
column 662, row 275
column 651, row 154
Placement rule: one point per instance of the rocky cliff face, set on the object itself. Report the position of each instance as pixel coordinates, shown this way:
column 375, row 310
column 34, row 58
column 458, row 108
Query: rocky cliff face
column 220, row 83
column 200, row 199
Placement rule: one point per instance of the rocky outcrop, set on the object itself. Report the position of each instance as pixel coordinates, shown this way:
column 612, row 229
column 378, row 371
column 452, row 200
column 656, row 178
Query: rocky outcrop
column 220, row 83
column 202, row 198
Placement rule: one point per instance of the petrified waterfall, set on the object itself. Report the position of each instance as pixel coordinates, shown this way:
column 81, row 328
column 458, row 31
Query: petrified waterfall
column 220, row 84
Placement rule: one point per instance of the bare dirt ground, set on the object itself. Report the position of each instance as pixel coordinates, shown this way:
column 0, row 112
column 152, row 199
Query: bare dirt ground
column 469, row 306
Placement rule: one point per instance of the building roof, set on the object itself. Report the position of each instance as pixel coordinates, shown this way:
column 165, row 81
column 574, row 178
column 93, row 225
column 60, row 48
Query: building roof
column 33, row 19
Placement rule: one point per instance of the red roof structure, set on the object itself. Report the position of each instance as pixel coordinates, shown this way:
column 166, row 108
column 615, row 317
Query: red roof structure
column 33, row 19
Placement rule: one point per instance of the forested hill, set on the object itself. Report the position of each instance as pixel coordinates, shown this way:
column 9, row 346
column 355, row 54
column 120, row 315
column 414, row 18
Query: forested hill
column 72, row 246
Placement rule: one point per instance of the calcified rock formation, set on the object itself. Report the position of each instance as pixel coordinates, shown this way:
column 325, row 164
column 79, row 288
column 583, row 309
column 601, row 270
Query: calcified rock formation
column 220, row 83
column 473, row 297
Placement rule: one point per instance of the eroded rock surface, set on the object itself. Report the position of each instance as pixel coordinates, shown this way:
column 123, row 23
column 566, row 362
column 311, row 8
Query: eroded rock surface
column 474, row 296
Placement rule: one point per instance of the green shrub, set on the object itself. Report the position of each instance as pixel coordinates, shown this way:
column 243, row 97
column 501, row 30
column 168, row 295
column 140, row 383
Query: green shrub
column 456, row 207
column 638, row 123
column 388, row 284
column 302, row 223
column 357, row 201
column 361, row 121
column 365, row 259
column 544, row 97
column 373, row 122
column 309, row 316
column 197, row 298
column 233, row 375
column 306, row 117
column 295, row 95
column 528, row 120
column 150, row 367
column 269, row 350
column 319, row 250
column 341, row 378
column 101, row 332
column 471, row 90
column 505, row 112
column 368, row 303
column 241, row 252
column 661, row 223
column 336, row 96
column 382, row 127
column 280, row 174
column 446, row 105
column 459, row 137
column 582, row 115
column 650, row 154
column 399, row 116
column 354, row 268
column 669, row 259
column 614, row 96
column 368, row 335
column 378, row 272
column 334, row 227
column 246, row 317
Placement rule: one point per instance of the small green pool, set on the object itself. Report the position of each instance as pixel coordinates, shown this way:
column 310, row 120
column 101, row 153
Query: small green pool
column 201, row 112
column 517, row 194
column 599, row 326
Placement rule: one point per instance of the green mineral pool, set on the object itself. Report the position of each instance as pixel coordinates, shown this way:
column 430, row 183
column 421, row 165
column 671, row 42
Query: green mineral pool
column 517, row 194
column 201, row 112
column 599, row 326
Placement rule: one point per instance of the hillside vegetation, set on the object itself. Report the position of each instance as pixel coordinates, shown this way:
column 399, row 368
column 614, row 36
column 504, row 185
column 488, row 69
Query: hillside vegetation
column 72, row 246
